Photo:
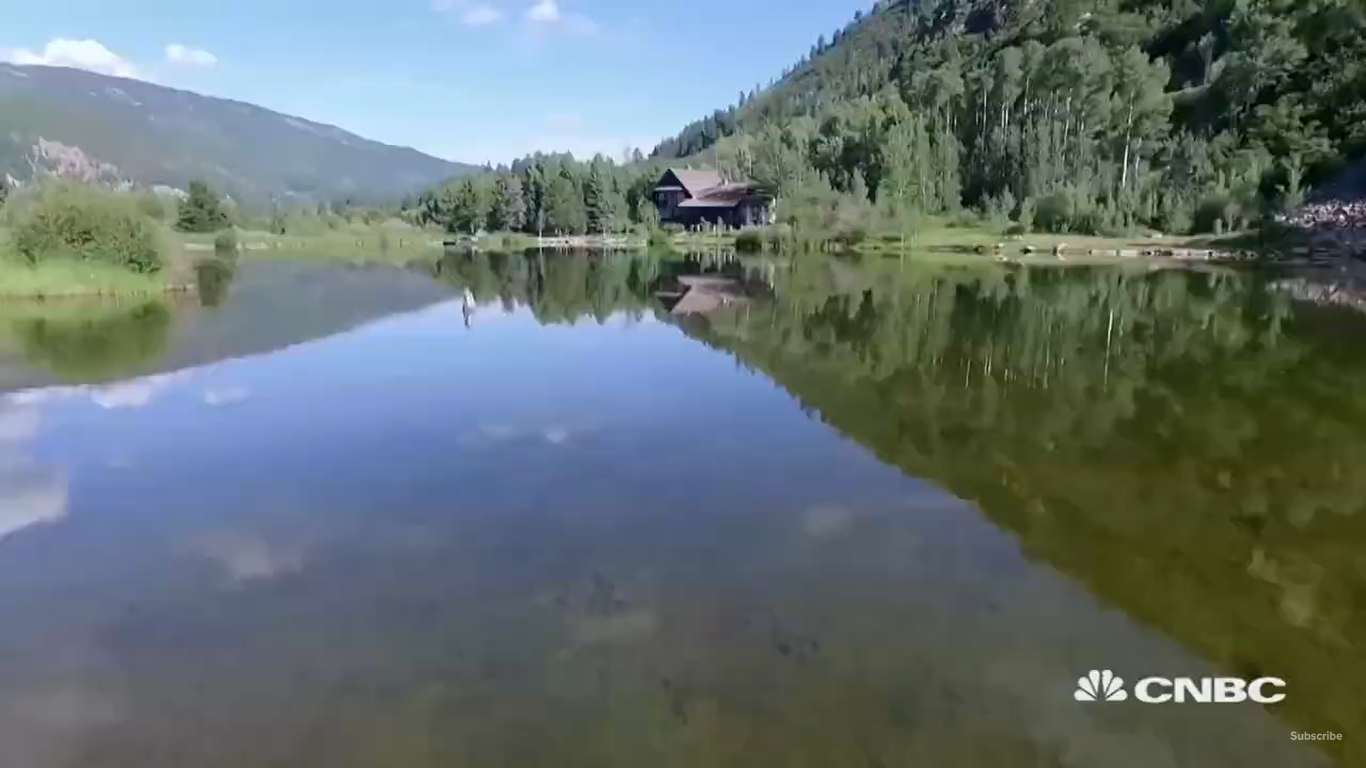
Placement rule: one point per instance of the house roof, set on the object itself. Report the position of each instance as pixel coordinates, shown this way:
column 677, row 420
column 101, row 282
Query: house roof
column 725, row 196
column 695, row 182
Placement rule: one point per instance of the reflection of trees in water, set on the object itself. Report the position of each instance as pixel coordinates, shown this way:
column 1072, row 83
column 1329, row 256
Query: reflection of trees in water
column 567, row 287
column 91, row 343
column 1176, row 441
column 558, row 288
column 213, row 278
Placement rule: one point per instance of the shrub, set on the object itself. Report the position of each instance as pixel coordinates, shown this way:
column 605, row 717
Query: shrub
column 1053, row 213
column 749, row 241
column 965, row 218
column 1017, row 230
column 152, row 206
column 225, row 241
column 73, row 221
column 851, row 236
column 1025, row 216
column 1214, row 211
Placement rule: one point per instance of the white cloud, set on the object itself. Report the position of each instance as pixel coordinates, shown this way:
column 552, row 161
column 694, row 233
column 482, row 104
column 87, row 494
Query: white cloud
column 186, row 56
column 247, row 557
column 473, row 13
column 548, row 15
column 30, row 495
column 89, row 55
column 479, row 15
column 218, row 398
column 544, row 12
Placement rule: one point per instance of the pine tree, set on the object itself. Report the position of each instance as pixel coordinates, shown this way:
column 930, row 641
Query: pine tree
column 201, row 210
column 469, row 211
column 565, row 212
column 507, row 211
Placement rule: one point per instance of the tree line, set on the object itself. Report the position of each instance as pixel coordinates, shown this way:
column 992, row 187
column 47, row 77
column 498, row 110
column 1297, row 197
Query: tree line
column 545, row 194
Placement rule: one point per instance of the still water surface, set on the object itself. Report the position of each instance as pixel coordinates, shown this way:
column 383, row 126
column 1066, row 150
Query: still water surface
column 861, row 516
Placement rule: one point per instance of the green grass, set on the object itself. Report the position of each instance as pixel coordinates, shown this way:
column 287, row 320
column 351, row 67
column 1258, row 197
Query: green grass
column 371, row 244
column 62, row 278
column 366, row 244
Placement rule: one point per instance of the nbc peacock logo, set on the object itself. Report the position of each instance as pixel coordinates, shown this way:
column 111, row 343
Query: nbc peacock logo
column 1100, row 685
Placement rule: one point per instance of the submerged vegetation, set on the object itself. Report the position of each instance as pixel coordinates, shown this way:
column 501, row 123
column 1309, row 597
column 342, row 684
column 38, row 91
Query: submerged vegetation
column 1103, row 416
column 1106, row 419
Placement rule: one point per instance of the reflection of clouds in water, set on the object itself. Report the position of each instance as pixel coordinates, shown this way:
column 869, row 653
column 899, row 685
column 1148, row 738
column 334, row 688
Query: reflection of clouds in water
column 18, row 424
column 135, row 393
column 123, row 396
column 248, row 557
column 29, row 494
column 219, row 398
column 823, row 522
column 498, row 433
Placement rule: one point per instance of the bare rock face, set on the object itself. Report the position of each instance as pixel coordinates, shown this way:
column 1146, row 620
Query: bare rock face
column 68, row 162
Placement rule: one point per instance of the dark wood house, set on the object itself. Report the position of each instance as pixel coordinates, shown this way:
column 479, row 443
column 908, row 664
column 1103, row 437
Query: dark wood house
column 690, row 198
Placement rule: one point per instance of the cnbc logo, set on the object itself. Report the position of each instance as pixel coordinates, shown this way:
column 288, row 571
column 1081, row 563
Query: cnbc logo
column 1104, row 685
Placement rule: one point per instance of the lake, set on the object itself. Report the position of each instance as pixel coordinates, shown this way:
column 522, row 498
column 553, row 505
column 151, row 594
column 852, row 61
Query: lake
column 517, row 511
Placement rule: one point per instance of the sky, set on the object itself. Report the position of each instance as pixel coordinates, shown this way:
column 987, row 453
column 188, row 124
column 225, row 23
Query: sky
column 469, row 80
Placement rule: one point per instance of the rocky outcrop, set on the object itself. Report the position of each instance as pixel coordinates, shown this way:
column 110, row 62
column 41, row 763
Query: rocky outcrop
column 1338, row 226
column 1334, row 218
column 68, row 162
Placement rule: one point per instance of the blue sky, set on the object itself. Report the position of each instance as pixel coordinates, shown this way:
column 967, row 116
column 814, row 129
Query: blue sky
column 470, row 80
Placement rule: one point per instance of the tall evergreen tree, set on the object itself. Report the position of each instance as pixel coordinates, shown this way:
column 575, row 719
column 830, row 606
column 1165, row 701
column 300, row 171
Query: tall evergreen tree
column 201, row 210
column 565, row 214
column 507, row 211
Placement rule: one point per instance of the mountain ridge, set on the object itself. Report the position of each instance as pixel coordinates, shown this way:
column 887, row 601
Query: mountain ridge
column 114, row 129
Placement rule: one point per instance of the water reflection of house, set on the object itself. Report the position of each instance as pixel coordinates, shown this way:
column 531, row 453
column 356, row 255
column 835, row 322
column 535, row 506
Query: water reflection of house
column 696, row 197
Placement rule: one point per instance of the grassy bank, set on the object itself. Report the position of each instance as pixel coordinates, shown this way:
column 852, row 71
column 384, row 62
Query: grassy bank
column 71, row 278
column 370, row 244
column 66, row 279
column 63, row 239
column 937, row 238
column 391, row 245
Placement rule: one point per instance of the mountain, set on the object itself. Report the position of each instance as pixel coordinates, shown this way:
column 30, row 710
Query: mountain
column 114, row 129
column 1089, row 116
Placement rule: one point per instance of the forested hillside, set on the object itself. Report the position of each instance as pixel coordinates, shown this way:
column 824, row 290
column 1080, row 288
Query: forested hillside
column 1084, row 116
column 1072, row 114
